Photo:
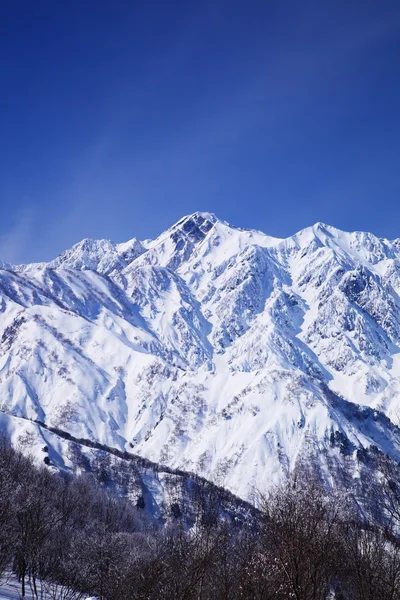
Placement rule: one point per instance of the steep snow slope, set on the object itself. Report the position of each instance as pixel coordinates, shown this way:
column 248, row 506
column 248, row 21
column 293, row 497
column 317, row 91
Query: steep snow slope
column 214, row 349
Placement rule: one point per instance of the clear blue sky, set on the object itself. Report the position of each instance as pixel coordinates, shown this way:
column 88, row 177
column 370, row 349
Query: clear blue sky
column 119, row 117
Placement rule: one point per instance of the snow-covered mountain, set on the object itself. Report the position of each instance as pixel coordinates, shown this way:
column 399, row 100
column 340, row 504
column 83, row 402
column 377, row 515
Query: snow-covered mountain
column 213, row 349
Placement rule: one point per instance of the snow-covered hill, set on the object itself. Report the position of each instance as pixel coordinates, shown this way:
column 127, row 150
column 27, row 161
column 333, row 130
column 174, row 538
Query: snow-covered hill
column 213, row 349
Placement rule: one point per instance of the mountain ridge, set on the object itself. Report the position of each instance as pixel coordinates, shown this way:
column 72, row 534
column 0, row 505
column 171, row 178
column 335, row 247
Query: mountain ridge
column 213, row 349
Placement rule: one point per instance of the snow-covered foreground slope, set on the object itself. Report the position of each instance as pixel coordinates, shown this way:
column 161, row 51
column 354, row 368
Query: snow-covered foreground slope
column 10, row 589
column 213, row 349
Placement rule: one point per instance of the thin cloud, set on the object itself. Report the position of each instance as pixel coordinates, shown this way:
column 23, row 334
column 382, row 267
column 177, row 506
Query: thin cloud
column 14, row 243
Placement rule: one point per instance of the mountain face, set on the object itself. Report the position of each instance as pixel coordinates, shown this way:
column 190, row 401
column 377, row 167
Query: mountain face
column 212, row 349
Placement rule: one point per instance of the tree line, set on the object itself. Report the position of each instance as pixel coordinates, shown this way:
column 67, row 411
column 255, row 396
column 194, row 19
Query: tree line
column 80, row 538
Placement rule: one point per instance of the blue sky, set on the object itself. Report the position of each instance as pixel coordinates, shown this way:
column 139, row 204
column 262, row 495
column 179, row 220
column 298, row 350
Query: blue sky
column 117, row 118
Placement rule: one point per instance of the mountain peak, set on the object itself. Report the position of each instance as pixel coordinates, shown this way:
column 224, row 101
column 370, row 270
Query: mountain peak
column 319, row 226
column 188, row 231
column 95, row 255
column 200, row 220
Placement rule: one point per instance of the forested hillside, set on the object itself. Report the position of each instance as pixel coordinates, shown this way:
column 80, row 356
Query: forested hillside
column 79, row 537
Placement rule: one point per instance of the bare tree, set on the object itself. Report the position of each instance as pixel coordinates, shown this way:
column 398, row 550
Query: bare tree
column 301, row 535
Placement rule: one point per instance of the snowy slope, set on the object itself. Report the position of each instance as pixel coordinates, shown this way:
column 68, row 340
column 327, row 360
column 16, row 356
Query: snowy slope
column 214, row 349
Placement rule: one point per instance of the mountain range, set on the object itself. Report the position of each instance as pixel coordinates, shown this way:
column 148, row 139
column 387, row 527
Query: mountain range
column 213, row 349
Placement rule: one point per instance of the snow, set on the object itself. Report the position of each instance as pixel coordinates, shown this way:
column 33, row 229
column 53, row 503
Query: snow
column 10, row 589
column 212, row 348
